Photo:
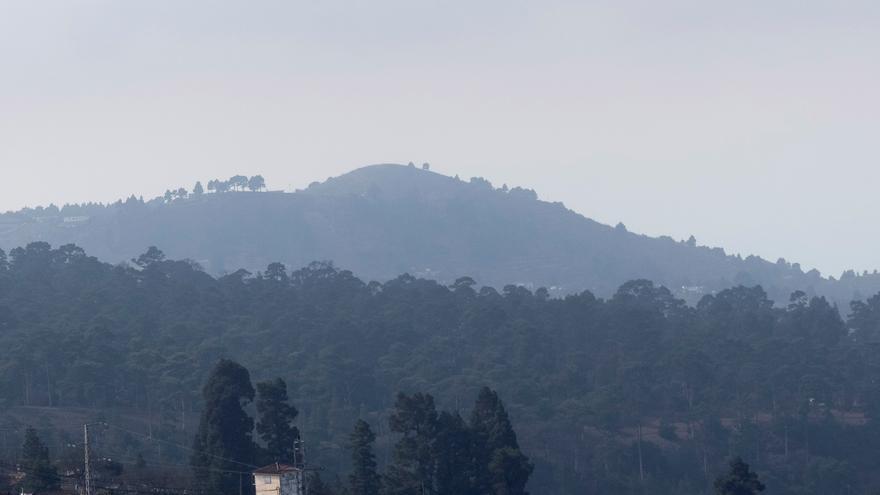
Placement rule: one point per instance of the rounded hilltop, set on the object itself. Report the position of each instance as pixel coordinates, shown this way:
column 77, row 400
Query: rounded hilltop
column 387, row 180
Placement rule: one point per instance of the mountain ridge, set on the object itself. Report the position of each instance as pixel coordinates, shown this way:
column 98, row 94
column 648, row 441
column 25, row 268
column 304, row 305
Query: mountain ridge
column 386, row 219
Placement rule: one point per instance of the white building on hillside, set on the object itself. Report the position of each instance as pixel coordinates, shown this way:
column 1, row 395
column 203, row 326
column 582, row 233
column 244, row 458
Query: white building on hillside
column 279, row 479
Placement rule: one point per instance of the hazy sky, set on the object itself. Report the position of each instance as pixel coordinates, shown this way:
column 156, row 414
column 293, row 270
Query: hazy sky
column 752, row 125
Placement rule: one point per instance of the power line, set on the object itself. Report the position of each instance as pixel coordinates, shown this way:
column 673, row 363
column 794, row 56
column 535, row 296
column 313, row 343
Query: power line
column 181, row 446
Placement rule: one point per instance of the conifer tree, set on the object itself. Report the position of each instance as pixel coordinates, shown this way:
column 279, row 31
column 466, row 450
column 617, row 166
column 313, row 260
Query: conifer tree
column 414, row 467
column 364, row 480
column 501, row 467
column 4, row 263
column 275, row 425
column 739, row 480
column 224, row 442
column 454, row 449
column 39, row 473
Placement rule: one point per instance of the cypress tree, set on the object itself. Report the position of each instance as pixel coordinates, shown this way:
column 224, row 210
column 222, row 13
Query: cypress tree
column 501, row 468
column 224, row 439
column 276, row 421
column 454, row 452
column 39, row 473
column 364, row 480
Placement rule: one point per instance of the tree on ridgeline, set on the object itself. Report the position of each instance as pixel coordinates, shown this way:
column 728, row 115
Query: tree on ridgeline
column 238, row 182
column 224, row 443
column 275, row 424
column 363, row 480
column 39, row 473
column 152, row 256
column 739, row 480
column 198, row 190
column 256, row 183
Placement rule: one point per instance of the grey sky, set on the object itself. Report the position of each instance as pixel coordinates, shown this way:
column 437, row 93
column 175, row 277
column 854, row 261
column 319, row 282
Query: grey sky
column 752, row 124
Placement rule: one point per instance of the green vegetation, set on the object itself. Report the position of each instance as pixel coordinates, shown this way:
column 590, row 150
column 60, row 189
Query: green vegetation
column 364, row 478
column 637, row 393
column 385, row 220
column 740, row 480
column 39, row 473
column 224, row 442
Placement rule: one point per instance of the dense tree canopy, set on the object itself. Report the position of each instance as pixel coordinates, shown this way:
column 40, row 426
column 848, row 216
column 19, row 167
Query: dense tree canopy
column 383, row 220
column 631, row 394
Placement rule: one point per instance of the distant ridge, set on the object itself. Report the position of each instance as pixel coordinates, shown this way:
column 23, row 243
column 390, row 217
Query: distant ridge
column 384, row 220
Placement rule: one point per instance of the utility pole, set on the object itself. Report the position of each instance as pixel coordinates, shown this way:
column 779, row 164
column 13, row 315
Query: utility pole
column 87, row 470
column 299, row 461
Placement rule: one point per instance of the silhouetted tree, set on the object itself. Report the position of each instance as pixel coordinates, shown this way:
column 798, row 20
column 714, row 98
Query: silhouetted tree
column 277, row 272
column 414, row 467
column 4, row 262
column 39, row 473
column 454, row 453
column 152, row 256
column 502, row 468
column 256, row 183
column 238, row 182
column 224, row 444
column 739, row 480
column 198, row 190
column 363, row 480
column 275, row 424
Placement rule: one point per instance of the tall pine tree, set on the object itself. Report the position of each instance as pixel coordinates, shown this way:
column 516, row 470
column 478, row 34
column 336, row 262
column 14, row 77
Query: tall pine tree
column 275, row 425
column 39, row 473
column 414, row 467
column 502, row 469
column 224, row 440
column 454, row 448
column 363, row 480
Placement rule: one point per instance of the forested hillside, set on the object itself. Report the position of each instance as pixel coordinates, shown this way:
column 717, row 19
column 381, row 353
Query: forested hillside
column 384, row 220
column 634, row 393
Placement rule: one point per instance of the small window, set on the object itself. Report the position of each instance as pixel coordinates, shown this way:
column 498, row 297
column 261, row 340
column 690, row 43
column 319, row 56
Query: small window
column 267, row 480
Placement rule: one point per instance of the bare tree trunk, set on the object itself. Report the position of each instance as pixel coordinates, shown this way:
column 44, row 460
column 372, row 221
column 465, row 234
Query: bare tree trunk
column 27, row 389
column 786, row 438
column 641, row 464
column 48, row 384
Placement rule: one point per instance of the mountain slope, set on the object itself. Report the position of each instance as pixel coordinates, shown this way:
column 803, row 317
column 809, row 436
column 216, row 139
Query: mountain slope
column 383, row 220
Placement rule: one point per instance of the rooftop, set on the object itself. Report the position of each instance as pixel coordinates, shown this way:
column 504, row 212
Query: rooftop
column 277, row 468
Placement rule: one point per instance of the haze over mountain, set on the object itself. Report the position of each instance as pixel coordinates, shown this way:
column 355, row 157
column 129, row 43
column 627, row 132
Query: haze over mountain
column 383, row 220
